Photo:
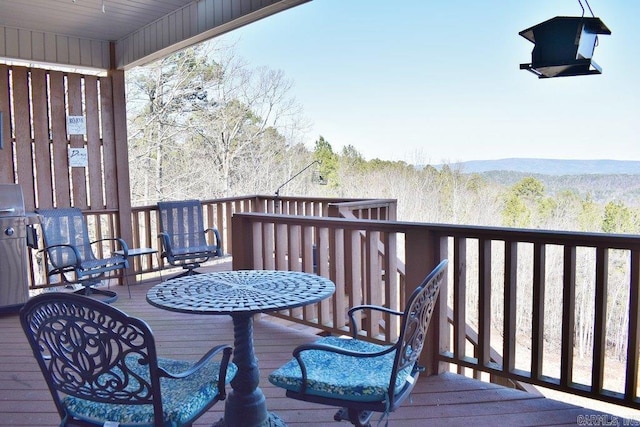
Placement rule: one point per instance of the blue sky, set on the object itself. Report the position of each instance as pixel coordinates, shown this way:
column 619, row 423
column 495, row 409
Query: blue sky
column 439, row 81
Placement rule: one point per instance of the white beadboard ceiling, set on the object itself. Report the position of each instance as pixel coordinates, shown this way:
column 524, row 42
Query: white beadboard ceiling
column 140, row 29
column 84, row 18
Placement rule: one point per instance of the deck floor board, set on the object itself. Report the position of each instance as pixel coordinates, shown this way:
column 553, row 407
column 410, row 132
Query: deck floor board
column 448, row 399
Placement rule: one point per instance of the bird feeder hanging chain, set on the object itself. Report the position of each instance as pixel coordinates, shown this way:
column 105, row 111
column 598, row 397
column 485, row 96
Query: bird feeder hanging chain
column 582, row 7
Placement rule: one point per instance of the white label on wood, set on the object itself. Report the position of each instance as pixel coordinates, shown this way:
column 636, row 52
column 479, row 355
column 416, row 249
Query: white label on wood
column 78, row 157
column 76, row 125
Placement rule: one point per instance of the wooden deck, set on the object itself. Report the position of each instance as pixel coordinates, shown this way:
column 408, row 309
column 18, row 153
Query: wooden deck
column 447, row 399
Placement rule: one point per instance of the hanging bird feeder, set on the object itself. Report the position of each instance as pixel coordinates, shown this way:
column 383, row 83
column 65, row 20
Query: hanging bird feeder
column 563, row 46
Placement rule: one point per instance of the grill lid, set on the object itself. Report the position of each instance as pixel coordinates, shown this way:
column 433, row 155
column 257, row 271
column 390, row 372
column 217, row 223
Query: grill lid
column 11, row 200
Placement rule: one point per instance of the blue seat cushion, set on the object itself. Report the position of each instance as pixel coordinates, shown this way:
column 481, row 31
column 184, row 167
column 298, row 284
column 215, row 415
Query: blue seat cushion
column 339, row 376
column 182, row 399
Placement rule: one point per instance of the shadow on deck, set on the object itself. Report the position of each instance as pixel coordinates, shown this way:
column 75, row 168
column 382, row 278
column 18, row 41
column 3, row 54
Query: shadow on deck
column 447, row 399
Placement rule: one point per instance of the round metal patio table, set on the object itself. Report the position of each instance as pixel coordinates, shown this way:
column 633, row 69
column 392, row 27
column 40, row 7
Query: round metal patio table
column 241, row 294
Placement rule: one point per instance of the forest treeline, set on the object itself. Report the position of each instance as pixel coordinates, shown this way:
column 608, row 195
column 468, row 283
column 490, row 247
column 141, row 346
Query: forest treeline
column 601, row 187
column 205, row 124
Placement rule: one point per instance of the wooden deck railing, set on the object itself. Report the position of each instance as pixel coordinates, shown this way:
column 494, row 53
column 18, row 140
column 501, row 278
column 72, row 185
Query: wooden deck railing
column 497, row 315
column 495, row 275
column 218, row 213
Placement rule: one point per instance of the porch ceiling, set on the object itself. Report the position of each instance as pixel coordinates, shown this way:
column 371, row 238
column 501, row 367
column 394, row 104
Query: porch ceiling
column 81, row 33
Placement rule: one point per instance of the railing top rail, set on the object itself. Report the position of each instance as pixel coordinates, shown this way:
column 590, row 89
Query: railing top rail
column 204, row 201
column 367, row 203
column 99, row 211
column 332, row 200
column 313, row 199
column 552, row 237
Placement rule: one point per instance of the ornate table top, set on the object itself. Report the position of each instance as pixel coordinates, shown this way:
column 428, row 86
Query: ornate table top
column 240, row 292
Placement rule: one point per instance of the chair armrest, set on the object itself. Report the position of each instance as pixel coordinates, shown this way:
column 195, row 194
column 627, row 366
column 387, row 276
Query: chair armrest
column 218, row 239
column 225, row 349
column 166, row 242
column 339, row 350
column 224, row 364
column 352, row 310
column 123, row 245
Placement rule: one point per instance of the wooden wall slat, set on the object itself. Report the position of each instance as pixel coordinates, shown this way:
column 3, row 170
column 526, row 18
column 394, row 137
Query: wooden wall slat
column 40, row 107
column 375, row 294
column 484, row 302
column 281, row 247
column 78, row 174
column 268, row 239
column 355, row 297
column 23, row 130
column 6, row 154
column 600, row 319
column 568, row 315
column 510, row 301
column 633, row 346
column 310, row 310
column 94, row 144
column 324, row 314
column 108, row 144
column 338, row 273
column 61, row 178
column 393, row 294
column 537, row 310
column 460, row 297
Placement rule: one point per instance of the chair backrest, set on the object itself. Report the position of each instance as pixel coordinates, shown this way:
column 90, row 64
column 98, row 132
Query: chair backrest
column 415, row 322
column 65, row 226
column 183, row 222
column 86, row 348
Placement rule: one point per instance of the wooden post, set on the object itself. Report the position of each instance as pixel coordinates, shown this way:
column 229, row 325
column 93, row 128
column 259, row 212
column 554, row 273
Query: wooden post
column 122, row 158
column 424, row 252
column 243, row 242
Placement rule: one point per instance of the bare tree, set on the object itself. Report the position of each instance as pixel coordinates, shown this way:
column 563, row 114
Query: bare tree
column 252, row 118
column 202, row 120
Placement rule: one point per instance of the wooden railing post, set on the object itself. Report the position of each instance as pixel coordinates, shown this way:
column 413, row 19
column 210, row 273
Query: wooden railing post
column 423, row 252
column 243, row 243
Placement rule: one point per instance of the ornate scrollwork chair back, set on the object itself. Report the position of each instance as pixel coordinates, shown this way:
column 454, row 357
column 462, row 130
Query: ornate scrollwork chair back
column 362, row 377
column 101, row 365
column 183, row 236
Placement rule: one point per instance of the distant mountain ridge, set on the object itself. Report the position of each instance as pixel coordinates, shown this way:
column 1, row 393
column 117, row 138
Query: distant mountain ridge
column 602, row 180
column 551, row 166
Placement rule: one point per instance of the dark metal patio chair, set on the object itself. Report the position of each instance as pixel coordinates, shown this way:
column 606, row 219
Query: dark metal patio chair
column 183, row 236
column 102, row 369
column 362, row 377
column 70, row 252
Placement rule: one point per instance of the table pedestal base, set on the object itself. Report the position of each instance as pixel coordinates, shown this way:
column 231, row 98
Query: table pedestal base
column 246, row 405
column 273, row 420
